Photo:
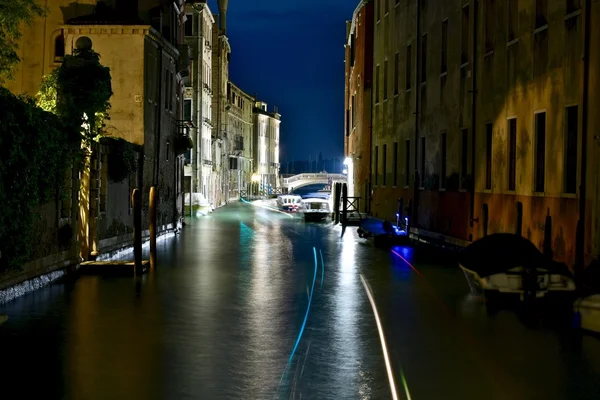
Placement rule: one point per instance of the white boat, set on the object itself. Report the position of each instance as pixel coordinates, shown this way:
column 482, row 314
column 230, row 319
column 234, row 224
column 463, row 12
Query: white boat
column 505, row 263
column 290, row 203
column 315, row 208
column 587, row 309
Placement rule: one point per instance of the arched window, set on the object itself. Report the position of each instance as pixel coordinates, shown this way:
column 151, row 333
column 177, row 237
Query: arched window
column 59, row 47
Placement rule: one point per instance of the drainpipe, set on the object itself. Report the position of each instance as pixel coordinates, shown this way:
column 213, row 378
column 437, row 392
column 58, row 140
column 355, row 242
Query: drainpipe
column 473, row 118
column 580, row 241
column 415, row 208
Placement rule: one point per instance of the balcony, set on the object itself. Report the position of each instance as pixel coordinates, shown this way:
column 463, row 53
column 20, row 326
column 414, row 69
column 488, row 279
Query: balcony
column 183, row 63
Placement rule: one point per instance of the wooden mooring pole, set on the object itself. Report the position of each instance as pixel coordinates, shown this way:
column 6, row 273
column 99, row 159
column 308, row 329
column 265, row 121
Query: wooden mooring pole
column 152, row 224
column 136, row 204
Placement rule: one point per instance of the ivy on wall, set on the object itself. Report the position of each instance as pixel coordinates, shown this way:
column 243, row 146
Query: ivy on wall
column 40, row 140
column 33, row 163
column 122, row 158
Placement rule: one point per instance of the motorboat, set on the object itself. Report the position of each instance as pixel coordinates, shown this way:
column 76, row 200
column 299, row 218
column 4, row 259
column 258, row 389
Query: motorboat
column 197, row 205
column 505, row 263
column 383, row 233
column 587, row 312
column 289, row 203
column 587, row 307
column 316, row 208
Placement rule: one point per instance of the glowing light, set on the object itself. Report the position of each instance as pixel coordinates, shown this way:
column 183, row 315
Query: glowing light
column 386, row 357
column 348, row 161
column 345, row 171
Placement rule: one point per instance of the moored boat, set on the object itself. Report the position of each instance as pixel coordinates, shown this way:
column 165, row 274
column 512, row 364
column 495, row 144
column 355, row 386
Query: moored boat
column 316, row 208
column 289, row 203
column 504, row 263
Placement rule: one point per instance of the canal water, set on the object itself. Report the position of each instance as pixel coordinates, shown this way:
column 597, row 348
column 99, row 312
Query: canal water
column 248, row 303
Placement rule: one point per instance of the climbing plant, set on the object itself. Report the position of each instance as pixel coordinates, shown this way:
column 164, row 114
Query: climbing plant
column 183, row 144
column 12, row 16
column 33, row 161
column 79, row 92
column 122, row 158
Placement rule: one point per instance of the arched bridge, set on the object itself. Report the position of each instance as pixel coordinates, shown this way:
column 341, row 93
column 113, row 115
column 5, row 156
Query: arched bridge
column 297, row 181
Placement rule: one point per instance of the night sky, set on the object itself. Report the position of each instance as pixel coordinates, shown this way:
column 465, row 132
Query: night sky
column 290, row 53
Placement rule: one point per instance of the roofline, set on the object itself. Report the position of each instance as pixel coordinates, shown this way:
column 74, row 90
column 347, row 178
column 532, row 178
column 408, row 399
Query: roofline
column 240, row 90
column 203, row 7
column 354, row 15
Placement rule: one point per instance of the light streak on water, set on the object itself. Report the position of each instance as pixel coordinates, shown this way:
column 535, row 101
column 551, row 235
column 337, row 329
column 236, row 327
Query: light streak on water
column 382, row 338
column 312, row 290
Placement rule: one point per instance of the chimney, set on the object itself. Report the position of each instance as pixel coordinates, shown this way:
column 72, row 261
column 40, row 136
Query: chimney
column 223, row 14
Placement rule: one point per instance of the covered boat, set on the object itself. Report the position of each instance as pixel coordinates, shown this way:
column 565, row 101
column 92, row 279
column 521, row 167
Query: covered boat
column 288, row 202
column 509, row 263
column 316, row 207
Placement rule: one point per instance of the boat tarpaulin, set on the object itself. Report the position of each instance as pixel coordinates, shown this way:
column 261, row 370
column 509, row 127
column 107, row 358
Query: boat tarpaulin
column 500, row 252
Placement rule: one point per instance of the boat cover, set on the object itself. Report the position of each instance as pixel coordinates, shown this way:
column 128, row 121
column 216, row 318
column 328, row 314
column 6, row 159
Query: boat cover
column 499, row 252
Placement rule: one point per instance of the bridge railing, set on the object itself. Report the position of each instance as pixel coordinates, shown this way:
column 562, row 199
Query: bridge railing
column 304, row 177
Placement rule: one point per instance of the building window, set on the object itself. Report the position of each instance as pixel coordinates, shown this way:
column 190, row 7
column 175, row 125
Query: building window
column 352, row 50
column 489, row 25
column 348, row 122
column 572, row 139
column 444, row 160
column 377, row 84
column 444, row 46
column 464, row 58
column 422, row 161
column 353, row 111
column 573, row 5
column 384, row 164
column 513, row 19
column 407, row 163
column 167, row 90
column 59, row 48
column 464, row 157
column 541, row 13
column 408, row 66
column 187, row 109
column 385, row 79
column 376, row 165
column 395, row 157
column 424, row 58
column 396, row 73
column 189, row 24
column 488, row 155
column 512, row 154
column 540, row 152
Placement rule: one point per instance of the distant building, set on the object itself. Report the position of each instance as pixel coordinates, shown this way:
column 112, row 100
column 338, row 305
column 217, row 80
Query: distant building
column 479, row 120
column 198, row 97
column 359, row 86
column 241, row 139
column 266, row 146
column 220, row 77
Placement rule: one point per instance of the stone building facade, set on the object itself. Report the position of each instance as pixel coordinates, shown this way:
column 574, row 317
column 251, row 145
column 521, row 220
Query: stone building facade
column 266, row 147
column 358, row 93
column 241, row 144
column 141, row 44
column 220, row 77
column 488, row 105
column 199, row 97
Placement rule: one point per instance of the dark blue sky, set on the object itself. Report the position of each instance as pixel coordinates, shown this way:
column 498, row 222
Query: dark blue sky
column 290, row 53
